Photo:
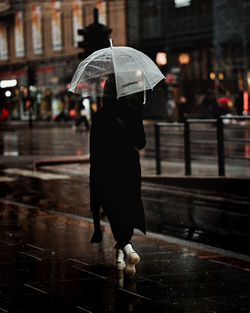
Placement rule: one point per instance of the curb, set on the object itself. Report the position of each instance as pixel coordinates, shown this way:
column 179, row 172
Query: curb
column 61, row 160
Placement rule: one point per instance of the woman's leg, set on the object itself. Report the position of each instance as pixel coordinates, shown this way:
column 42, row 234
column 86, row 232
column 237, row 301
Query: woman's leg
column 123, row 233
column 127, row 258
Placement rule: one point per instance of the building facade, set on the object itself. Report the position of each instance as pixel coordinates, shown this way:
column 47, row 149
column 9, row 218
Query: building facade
column 38, row 50
column 206, row 44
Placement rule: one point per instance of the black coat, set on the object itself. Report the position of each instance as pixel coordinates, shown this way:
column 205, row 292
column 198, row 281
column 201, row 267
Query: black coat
column 115, row 173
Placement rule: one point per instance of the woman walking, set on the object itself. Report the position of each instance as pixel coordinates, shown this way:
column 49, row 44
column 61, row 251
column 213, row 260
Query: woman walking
column 116, row 135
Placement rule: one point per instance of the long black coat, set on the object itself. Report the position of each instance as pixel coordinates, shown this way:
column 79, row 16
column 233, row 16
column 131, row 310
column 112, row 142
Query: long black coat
column 115, row 172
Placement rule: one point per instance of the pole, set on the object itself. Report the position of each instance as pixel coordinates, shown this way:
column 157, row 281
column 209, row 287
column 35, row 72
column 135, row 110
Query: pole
column 220, row 147
column 30, row 108
column 245, row 57
column 157, row 149
column 96, row 16
column 188, row 169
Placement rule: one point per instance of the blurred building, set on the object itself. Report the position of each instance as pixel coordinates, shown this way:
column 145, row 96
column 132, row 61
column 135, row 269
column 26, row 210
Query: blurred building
column 38, row 50
column 206, row 45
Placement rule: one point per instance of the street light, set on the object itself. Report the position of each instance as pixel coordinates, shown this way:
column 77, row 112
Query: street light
column 212, row 76
column 184, row 58
column 161, row 58
column 221, row 76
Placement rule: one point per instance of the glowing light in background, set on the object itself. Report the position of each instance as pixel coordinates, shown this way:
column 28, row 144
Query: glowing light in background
column 221, row 76
column 245, row 101
column 7, row 93
column 161, row 58
column 246, row 148
column 184, row 58
column 212, row 76
column 8, row 83
column 182, row 3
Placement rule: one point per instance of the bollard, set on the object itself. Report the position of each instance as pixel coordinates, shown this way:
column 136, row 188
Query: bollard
column 187, row 148
column 220, row 147
column 157, row 149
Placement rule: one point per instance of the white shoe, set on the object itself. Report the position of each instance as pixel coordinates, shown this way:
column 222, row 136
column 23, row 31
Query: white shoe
column 120, row 264
column 131, row 258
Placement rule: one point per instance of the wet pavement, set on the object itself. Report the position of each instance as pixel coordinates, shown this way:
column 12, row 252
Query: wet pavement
column 214, row 218
column 48, row 265
column 20, row 146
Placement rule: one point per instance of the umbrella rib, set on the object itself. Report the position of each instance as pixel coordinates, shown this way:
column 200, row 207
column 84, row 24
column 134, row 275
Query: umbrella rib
column 141, row 68
column 114, row 65
column 86, row 65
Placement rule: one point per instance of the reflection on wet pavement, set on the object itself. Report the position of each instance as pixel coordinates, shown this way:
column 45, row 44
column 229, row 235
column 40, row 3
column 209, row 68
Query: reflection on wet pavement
column 217, row 221
column 10, row 145
column 48, row 265
column 6, row 179
column 35, row 174
column 44, row 141
column 62, row 141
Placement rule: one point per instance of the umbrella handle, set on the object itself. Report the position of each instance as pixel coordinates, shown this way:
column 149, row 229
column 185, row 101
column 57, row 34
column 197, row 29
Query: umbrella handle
column 144, row 97
column 144, row 93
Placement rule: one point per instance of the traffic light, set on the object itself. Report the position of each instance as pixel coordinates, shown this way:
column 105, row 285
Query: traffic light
column 96, row 36
column 83, row 44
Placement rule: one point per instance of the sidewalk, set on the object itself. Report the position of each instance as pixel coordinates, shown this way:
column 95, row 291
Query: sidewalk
column 211, row 210
column 48, row 265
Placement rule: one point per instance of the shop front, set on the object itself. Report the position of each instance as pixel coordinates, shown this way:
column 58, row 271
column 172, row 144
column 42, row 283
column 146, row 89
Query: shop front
column 44, row 98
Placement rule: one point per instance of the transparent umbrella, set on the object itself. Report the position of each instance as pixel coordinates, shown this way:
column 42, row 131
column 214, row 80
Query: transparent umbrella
column 133, row 71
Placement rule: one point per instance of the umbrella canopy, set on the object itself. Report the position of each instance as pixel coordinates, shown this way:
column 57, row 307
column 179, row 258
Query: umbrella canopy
column 133, row 71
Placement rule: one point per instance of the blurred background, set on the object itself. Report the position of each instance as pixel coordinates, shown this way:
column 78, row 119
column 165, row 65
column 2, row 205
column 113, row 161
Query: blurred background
column 202, row 48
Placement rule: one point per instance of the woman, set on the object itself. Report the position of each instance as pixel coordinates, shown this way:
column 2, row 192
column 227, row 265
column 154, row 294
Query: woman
column 115, row 174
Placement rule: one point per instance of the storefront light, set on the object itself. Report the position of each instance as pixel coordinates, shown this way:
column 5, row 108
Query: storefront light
column 245, row 102
column 54, row 79
column 248, row 79
column 32, row 88
column 212, row 76
column 8, row 83
column 161, row 58
column 182, row 3
column 184, row 58
column 7, row 93
column 25, row 90
column 221, row 76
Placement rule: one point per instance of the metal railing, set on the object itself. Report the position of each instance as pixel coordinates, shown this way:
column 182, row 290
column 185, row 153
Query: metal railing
column 188, row 140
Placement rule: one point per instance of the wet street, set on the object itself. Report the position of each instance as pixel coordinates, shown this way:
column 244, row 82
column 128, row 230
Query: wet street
column 47, row 141
column 212, row 218
column 48, row 264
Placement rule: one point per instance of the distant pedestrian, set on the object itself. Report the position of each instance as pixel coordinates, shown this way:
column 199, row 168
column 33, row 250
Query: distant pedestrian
column 182, row 108
column 170, row 110
column 116, row 135
column 81, row 116
column 209, row 106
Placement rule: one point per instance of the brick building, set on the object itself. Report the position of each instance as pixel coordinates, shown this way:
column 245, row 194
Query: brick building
column 38, row 46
